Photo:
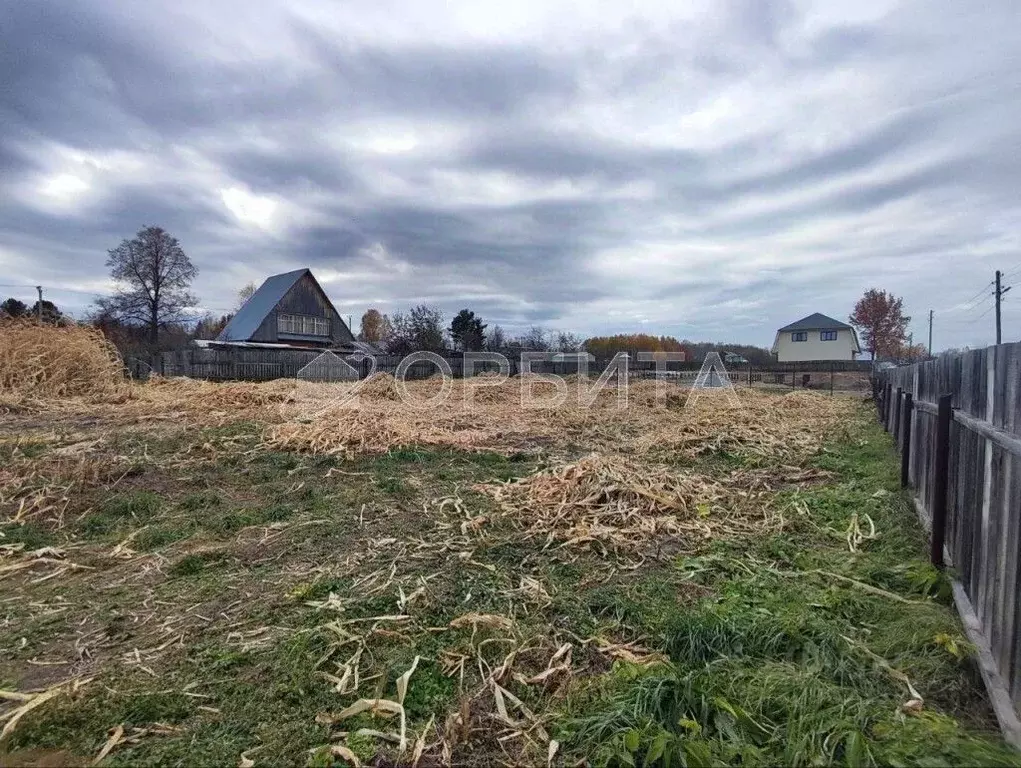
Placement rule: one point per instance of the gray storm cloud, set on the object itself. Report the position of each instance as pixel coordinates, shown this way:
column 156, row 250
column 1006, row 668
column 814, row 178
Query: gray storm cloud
column 711, row 171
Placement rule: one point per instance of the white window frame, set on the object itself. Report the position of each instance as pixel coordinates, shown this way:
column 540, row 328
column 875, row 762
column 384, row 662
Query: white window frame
column 303, row 325
column 828, row 335
column 799, row 335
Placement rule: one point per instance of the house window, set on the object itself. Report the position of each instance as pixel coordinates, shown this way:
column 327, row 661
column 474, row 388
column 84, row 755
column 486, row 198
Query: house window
column 827, row 335
column 303, row 325
column 799, row 336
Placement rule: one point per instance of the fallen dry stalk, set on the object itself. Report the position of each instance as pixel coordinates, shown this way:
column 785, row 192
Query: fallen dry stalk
column 13, row 716
column 617, row 503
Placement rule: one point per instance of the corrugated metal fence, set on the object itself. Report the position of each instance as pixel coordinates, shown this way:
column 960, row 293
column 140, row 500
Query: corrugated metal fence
column 980, row 492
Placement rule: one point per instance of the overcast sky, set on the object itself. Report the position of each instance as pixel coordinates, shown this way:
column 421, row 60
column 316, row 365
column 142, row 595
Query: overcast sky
column 709, row 170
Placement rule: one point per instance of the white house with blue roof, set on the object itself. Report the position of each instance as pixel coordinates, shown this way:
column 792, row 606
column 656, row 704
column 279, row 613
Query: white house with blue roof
column 290, row 309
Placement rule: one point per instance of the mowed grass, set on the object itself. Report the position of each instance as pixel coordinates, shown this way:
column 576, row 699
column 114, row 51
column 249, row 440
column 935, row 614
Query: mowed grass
column 212, row 636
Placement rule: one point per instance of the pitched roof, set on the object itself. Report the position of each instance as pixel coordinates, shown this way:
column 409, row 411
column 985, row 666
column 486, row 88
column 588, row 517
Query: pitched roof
column 246, row 322
column 815, row 322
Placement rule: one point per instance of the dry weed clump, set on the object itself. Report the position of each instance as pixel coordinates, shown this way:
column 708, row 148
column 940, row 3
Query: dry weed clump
column 762, row 424
column 617, row 504
column 182, row 392
column 381, row 386
column 485, row 415
column 487, row 388
column 43, row 489
column 47, row 361
column 348, row 432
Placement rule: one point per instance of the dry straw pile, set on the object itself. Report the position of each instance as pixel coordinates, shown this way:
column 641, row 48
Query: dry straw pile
column 382, row 427
column 481, row 415
column 239, row 398
column 612, row 501
column 74, row 367
column 46, row 362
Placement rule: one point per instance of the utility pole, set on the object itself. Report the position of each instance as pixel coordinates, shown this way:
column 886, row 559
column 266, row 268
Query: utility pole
column 930, row 333
column 998, row 294
column 999, row 299
column 39, row 308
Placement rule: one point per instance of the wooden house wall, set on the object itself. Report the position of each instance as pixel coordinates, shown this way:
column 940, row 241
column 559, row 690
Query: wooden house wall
column 304, row 298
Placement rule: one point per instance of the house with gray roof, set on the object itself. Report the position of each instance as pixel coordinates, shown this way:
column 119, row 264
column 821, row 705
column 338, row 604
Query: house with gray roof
column 816, row 337
column 290, row 309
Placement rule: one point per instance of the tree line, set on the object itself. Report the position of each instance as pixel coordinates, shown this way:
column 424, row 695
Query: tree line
column 149, row 310
column 424, row 328
column 46, row 310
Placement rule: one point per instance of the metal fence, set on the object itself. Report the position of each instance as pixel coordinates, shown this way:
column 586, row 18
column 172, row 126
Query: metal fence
column 957, row 424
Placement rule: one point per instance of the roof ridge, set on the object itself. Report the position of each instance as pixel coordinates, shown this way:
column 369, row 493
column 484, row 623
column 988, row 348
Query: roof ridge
column 251, row 314
column 815, row 321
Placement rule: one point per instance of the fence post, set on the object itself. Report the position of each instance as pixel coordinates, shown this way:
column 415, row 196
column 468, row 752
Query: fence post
column 831, row 378
column 896, row 417
column 749, row 374
column 905, row 457
column 941, row 469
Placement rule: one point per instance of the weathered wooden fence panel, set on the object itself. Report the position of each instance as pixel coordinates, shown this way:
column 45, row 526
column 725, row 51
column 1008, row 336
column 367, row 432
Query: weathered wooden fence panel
column 261, row 364
column 983, row 524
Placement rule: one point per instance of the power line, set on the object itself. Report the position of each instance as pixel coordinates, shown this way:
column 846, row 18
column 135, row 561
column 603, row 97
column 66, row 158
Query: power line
column 1013, row 270
column 51, row 289
column 978, row 304
column 969, row 308
column 54, row 289
column 981, row 290
column 991, row 308
column 75, row 290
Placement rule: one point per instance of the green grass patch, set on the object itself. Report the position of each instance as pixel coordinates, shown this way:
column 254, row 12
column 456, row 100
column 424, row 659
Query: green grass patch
column 780, row 664
column 196, row 563
column 122, row 511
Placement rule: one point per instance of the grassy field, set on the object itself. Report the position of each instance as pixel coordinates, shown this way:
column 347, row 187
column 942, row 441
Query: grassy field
column 200, row 579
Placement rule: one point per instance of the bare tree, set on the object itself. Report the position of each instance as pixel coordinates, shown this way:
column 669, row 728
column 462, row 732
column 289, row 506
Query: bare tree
column 153, row 274
column 568, row 342
column 496, row 339
column 536, row 338
column 421, row 329
column 244, row 294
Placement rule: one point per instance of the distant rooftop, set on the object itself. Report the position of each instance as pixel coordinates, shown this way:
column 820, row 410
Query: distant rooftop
column 816, row 322
column 248, row 319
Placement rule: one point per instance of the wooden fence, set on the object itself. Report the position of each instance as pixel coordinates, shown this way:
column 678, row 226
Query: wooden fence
column 261, row 364
column 964, row 466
